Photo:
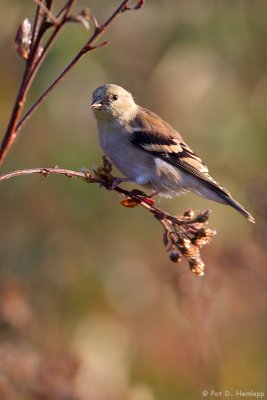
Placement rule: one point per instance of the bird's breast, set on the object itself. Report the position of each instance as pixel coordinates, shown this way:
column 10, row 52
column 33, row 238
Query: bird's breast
column 134, row 163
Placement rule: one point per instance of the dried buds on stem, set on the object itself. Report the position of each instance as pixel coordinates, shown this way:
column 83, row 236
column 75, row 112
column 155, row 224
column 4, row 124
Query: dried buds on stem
column 183, row 236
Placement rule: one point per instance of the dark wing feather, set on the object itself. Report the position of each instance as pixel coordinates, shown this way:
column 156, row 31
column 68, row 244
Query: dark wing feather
column 155, row 136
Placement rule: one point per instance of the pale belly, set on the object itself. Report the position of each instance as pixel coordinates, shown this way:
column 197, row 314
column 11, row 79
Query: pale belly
column 143, row 168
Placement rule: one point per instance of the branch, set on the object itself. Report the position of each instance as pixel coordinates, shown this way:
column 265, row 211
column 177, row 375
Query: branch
column 183, row 236
column 35, row 55
column 34, row 60
column 47, row 11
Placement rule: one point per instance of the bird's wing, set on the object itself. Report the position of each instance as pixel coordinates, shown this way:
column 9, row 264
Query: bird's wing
column 155, row 136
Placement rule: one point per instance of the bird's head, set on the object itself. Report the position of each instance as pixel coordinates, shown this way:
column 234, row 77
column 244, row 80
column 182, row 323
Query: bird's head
column 113, row 102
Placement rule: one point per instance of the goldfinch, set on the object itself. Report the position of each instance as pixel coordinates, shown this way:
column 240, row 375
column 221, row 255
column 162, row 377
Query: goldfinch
column 148, row 151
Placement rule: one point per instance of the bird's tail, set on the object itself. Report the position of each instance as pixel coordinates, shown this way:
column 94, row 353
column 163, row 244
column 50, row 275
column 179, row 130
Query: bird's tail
column 223, row 196
column 228, row 199
column 239, row 208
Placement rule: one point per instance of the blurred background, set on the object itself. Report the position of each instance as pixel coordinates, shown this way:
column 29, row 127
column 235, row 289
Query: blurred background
column 90, row 305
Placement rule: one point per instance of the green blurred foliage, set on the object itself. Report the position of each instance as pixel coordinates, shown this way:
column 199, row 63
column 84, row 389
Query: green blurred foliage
column 90, row 306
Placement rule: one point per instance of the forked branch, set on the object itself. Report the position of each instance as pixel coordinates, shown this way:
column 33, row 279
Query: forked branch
column 183, row 236
column 29, row 44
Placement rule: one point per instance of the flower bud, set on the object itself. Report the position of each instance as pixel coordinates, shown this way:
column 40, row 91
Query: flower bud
column 23, row 39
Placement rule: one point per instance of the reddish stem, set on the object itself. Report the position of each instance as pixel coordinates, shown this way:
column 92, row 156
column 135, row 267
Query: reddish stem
column 33, row 64
column 99, row 31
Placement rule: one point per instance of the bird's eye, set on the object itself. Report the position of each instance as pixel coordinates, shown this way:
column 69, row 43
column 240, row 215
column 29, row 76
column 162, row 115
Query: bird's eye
column 115, row 97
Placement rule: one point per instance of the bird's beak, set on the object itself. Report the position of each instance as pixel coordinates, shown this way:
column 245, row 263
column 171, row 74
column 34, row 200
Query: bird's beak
column 97, row 105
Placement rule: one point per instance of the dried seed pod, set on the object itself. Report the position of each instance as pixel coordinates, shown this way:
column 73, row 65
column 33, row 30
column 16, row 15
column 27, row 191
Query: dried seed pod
column 203, row 237
column 107, row 166
column 23, row 39
column 189, row 213
column 203, row 216
column 197, row 266
column 175, row 256
column 166, row 240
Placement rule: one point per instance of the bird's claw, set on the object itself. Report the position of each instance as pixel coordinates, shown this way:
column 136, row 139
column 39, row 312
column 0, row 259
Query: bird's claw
column 145, row 197
column 115, row 182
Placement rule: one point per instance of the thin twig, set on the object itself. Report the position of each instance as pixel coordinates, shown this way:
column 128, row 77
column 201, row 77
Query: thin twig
column 58, row 27
column 69, row 8
column 36, row 25
column 183, row 236
column 89, row 46
column 11, row 134
column 36, row 59
column 47, row 11
column 134, row 195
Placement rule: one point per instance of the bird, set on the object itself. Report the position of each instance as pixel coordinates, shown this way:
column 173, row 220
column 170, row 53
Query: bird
column 149, row 152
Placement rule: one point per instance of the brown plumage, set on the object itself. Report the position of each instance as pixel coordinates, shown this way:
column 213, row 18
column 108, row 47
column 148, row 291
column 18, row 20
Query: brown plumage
column 147, row 150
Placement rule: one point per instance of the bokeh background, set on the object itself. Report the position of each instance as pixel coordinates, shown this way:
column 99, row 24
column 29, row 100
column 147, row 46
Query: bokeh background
column 90, row 305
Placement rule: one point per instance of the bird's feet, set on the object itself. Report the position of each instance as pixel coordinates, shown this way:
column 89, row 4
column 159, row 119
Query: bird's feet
column 117, row 181
column 145, row 197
